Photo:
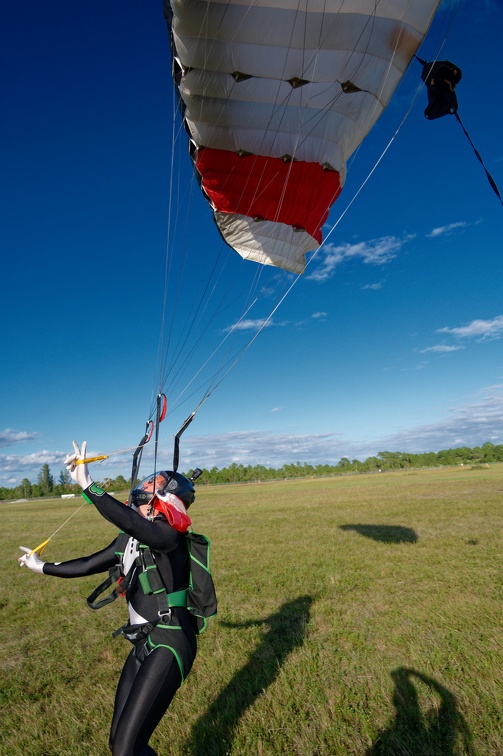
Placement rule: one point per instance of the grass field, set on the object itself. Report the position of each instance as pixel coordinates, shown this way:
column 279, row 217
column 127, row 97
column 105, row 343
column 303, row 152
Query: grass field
column 357, row 615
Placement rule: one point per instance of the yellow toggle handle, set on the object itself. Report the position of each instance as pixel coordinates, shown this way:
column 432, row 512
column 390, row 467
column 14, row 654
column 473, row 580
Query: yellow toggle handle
column 91, row 459
column 39, row 549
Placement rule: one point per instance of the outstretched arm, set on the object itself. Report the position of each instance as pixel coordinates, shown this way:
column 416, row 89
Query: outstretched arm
column 88, row 565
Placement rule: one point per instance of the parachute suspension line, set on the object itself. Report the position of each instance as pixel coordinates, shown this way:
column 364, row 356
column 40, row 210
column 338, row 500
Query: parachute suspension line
column 247, row 346
column 173, row 200
column 200, row 310
column 217, row 311
column 317, row 118
column 479, row 158
column 161, row 348
column 183, row 263
column 204, row 298
column 39, row 549
column 369, row 175
column 160, row 415
column 169, row 366
column 274, row 110
column 267, row 320
column 232, row 330
column 165, row 366
column 449, row 15
column 216, row 382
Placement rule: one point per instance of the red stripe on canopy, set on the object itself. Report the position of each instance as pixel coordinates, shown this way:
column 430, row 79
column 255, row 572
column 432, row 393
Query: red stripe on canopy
column 298, row 194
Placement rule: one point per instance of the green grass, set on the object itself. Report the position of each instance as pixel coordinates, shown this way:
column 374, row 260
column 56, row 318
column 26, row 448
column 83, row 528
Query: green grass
column 357, row 615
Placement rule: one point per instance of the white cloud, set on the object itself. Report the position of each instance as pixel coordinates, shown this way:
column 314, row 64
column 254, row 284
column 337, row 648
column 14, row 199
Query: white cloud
column 481, row 329
column 250, row 325
column 445, row 230
column 8, row 437
column 372, row 287
column 440, row 348
column 15, row 467
column 259, row 447
column 470, row 423
column 319, row 315
column 373, row 252
column 24, row 464
column 276, row 409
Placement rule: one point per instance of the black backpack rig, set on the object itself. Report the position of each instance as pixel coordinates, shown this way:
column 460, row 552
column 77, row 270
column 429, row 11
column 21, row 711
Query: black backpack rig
column 199, row 596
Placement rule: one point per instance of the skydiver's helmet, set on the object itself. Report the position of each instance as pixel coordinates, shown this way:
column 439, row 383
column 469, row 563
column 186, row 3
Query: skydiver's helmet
column 163, row 482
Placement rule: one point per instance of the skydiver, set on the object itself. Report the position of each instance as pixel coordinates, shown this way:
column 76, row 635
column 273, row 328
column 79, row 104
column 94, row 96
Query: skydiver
column 163, row 653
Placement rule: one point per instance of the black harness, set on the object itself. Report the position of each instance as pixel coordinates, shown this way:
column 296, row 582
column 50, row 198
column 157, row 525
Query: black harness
column 151, row 582
column 198, row 597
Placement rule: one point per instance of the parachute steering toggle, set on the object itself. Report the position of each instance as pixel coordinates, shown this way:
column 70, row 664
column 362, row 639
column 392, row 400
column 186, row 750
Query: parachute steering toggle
column 39, row 549
column 88, row 460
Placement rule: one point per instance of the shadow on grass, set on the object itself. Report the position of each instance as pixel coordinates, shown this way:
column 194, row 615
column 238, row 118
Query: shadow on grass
column 384, row 533
column 213, row 732
column 422, row 733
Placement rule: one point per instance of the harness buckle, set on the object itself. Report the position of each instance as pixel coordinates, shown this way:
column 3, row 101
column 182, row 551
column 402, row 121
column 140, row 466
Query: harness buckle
column 164, row 616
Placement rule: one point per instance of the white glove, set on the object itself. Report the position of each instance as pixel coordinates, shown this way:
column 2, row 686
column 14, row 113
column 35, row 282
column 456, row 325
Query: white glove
column 79, row 473
column 32, row 561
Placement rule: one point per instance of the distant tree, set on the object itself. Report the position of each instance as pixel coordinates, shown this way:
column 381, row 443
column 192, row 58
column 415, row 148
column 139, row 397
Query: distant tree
column 45, row 480
column 344, row 464
column 26, row 488
column 65, row 479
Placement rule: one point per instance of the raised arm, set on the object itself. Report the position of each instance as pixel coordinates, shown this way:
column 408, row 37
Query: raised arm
column 157, row 534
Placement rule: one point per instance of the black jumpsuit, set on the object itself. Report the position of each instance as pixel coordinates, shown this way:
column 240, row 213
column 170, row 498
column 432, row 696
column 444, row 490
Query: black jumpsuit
column 157, row 666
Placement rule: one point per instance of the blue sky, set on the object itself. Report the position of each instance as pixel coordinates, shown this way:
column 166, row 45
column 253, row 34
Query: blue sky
column 390, row 341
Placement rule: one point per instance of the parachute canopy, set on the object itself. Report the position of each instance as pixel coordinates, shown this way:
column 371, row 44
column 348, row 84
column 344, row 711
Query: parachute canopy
column 275, row 96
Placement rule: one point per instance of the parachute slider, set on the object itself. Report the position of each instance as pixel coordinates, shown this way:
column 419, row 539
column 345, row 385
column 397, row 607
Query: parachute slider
column 87, row 460
column 441, row 78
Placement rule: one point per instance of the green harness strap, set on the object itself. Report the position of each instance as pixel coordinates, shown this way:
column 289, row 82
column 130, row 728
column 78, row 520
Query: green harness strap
column 148, row 575
column 151, row 582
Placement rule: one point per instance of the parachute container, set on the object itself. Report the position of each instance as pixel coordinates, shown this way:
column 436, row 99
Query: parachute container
column 275, row 96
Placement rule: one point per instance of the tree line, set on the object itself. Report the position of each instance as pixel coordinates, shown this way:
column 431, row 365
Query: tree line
column 382, row 462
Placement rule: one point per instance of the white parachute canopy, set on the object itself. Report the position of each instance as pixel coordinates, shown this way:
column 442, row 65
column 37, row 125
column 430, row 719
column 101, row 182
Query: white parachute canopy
column 276, row 95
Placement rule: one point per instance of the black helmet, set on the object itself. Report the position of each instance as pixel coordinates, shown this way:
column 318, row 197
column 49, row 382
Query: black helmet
column 163, row 482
